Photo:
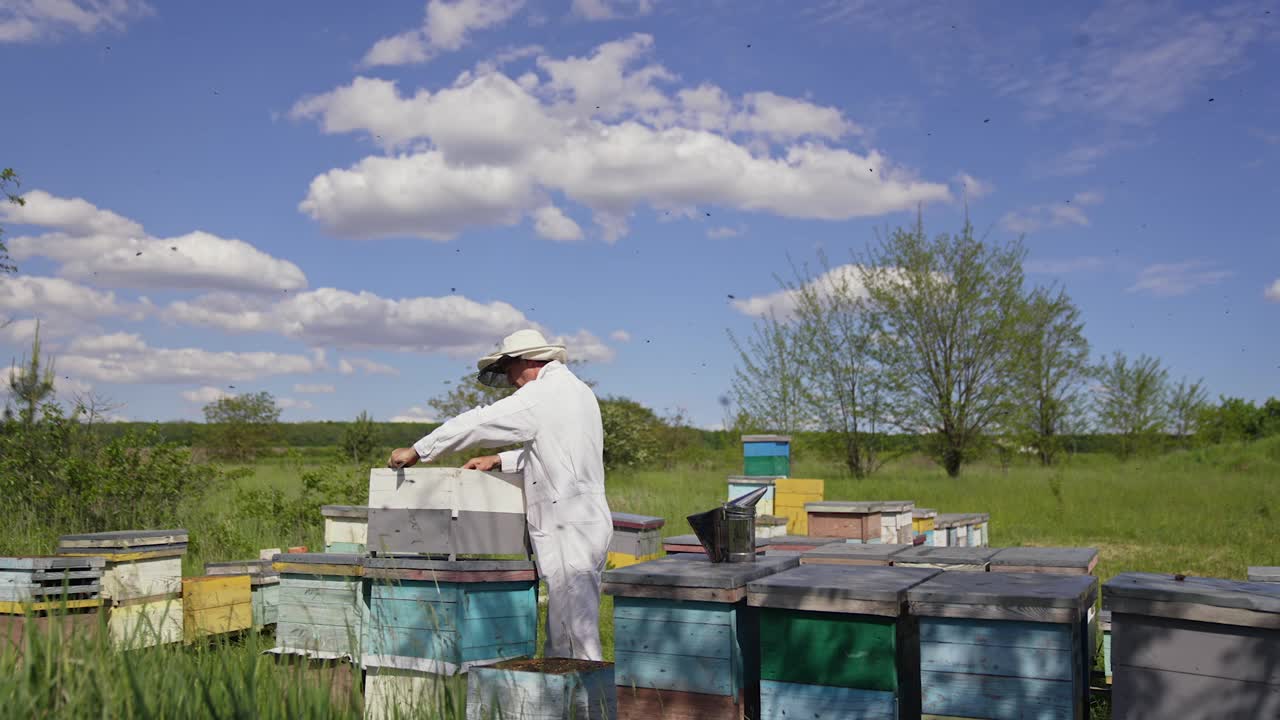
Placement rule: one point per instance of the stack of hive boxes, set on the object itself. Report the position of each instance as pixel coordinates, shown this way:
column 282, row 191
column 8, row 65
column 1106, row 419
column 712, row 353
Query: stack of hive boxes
column 790, row 497
column 264, row 584
column 45, row 591
column 346, row 528
column 142, row 582
column 216, row 605
column 881, row 521
column 766, row 455
column 432, row 611
column 636, row 538
column 922, row 522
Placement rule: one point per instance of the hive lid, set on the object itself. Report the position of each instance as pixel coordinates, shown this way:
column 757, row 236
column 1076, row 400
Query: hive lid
column 320, row 558
column 238, row 567
column 51, row 562
column 859, row 507
column 922, row 513
column 814, row 586
column 693, row 540
column 637, row 522
column 1264, row 574
column 1006, row 590
column 784, row 540
column 946, row 555
column 1152, row 594
column 1055, row 557
column 949, row 520
column 124, row 539
column 867, row 551
column 412, row 563
column 111, row 552
column 766, row 438
column 345, row 511
column 696, row 571
column 755, row 479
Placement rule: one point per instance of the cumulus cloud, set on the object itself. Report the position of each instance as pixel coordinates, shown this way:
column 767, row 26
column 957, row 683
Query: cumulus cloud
column 1273, row 293
column 55, row 297
column 600, row 130
column 303, row 388
column 447, row 26
column 204, row 395
column 414, row 415
column 92, row 244
column 130, row 360
column 620, row 336
column 349, row 366
column 782, row 304
column 611, row 9
column 34, row 20
column 551, row 223
column 971, row 188
column 1052, row 215
column 1172, row 279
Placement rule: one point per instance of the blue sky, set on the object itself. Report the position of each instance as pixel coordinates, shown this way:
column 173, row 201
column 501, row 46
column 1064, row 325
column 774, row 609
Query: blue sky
column 345, row 203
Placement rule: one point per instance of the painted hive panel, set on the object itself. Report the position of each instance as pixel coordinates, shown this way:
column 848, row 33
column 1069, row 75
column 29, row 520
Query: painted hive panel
column 37, row 583
column 320, row 615
column 445, row 511
column 768, row 465
column 995, row 697
column 636, row 542
column 142, row 578
column 684, row 646
column 346, row 532
column 621, row 560
column 1064, row 560
column 216, row 605
column 784, row 701
column 766, row 449
column 393, row 694
column 791, row 507
column 852, row 651
column 845, row 525
column 266, row 603
column 521, row 694
column 648, row 704
column 800, row 486
column 145, row 624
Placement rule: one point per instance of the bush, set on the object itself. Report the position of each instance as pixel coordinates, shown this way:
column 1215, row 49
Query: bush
column 631, row 433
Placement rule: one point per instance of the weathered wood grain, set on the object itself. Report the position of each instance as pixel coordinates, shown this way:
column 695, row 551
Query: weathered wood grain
column 453, row 489
column 1264, row 574
column 852, row 554
column 520, row 695
column 124, row 539
column 355, row 512
column 659, row 592
column 683, row 673
column 211, row 591
column 239, row 567
column 146, row 624
column 1194, row 598
column 1146, row 694
column 394, row 694
column 8, row 607
column 828, row 586
column 998, row 660
column 989, row 696
column 266, row 605
column 1045, row 559
column 785, row 701
column 694, row 571
column 803, row 542
column 1025, row 589
column 1225, row 651
column 51, row 563
column 649, row 704
column 1031, row 635
column 843, row 525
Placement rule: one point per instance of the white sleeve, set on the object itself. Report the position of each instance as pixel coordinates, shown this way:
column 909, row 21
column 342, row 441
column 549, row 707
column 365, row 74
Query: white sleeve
column 506, row 422
column 511, row 460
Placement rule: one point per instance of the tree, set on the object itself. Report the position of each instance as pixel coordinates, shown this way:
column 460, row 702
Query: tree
column 465, row 394
column 842, row 385
column 29, row 385
column 1131, row 400
column 944, row 314
column 1187, row 401
column 360, row 440
column 242, row 425
column 1050, row 370
column 9, row 184
column 631, row 433
column 766, row 385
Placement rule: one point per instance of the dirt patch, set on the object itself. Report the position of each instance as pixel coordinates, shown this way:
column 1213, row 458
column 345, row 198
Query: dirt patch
column 552, row 666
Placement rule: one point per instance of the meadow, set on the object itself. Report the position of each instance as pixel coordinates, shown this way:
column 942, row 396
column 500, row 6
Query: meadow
column 1207, row 511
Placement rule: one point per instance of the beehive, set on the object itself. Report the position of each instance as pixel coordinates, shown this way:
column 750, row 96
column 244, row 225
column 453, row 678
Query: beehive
column 685, row 544
column 49, row 593
column 1193, row 648
column 264, row 583
column 392, row 693
column 142, row 581
column 801, row 543
column 446, row 511
column 1061, row 560
column 1264, row 574
column 789, row 498
column 542, row 688
column 321, row 613
column 216, row 605
column 862, row 522
column 770, row 526
column 922, row 523
column 852, row 554
column 976, row 524
column 636, row 538
column 740, row 485
column 685, row 642
column 766, row 455
column 951, row 530
column 946, row 558
column 346, row 528
column 1004, row 645
column 837, row 642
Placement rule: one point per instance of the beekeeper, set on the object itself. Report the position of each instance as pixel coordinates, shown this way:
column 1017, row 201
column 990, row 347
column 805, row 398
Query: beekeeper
column 557, row 417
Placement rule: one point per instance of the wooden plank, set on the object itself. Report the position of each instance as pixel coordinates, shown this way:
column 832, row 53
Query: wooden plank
column 766, row 448
column 1194, row 611
column 313, row 614
column 333, row 583
column 1196, row 598
column 211, row 591
column 1225, row 651
column 834, row 584
column 1146, row 694
column 858, row 527
column 672, row 611
column 490, row 533
column 631, row 521
column 766, row 438
column 393, row 694
column 1026, row 589
column 158, row 622
column 317, row 569
column 998, row 660
column 238, row 567
column 765, row 466
column 20, row 608
column 317, row 638
column 351, row 512
column 1050, row 559
column 694, row 571
column 853, row 554
column 648, row 704
column 51, row 563
column 266, row 604
column 352, row 531
column 199, row 624
column 989, row 696
column 851, row 651
column 498, row 692
column 142, row 578
column 1264, row 574
column 674, row 593
column 784, row 700
column 674, row 638
column 683, row 673
column 1033, row 635
column 500, row 601
column 127, row 556
column 1017, row 613
column 620, row 560
column 124, row 539
column 445, row 576
column 318, row 596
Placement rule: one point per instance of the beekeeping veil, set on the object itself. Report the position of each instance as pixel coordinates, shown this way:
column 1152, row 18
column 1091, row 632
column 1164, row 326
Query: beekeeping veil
column 526, row 344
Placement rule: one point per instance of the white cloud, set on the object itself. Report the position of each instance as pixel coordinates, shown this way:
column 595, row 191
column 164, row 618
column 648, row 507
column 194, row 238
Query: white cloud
column 205, row 395
column 1060, row 266
column 620, row 336
column 55, row 297
column 288, row 403
column 551, row 223
column 446, row 27
column 302, row 388
column 611, row 9
column 369, row 367
column 92, row 244
column 1172, row 279
column 782, row 304
column 115, row 361
column 32, row 20
column 106, row 344
column 1273, row 293
column 722, row 231
column 600, row 131
column 414, row 415
column 971, row 188
column 1052, row 215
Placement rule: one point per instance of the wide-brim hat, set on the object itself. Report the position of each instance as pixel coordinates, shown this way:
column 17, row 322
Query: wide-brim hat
column 526, row 344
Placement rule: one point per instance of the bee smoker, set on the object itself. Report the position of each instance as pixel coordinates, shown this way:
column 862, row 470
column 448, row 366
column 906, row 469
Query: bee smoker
column 728, row 533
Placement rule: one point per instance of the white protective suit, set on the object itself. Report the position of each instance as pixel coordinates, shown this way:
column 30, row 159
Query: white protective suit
column 557, row 417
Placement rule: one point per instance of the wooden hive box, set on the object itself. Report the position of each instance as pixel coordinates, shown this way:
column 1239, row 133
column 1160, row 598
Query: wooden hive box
column 838, row 642
column 801, row 543
column 765, row 455
column 740, row 485
column 770, row 526
column 1004, row 645
column 1194, row 649
column 862, row 522
column 48, row 594
column 896, row 522
column 446, row 511
column 142, row 582
column 216, row 605
column 789, row 498
column 951, row 530
column 1104, row 627
column 636, row 538
column 1061, row 560
column 264, row 584
column 346, row 528
column 1264, row 574
column 689, row 544
column 946, row 558
column 922, row 524
column 852, row 554
column 321, row 613
column 542, row 689
column 394, row 694
column 976, row 528
column 686, row 645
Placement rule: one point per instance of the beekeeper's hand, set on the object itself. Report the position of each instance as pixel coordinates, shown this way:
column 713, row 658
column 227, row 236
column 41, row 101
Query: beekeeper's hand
column 484, row 462
column 403, row 458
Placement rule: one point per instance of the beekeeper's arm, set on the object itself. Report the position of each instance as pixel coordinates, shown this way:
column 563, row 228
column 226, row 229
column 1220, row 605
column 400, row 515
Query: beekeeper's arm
column 505, row 422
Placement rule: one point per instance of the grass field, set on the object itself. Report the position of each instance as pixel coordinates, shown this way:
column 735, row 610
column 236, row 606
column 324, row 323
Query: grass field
column 1208, row 511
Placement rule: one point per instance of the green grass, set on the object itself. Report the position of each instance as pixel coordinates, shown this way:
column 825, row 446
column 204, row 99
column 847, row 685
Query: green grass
column 1202, row 512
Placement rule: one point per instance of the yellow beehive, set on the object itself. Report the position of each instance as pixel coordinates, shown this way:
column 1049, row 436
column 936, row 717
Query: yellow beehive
column 790, row 495
column 216, row 605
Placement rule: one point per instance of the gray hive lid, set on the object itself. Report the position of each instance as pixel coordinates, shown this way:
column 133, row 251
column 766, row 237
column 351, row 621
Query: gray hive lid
column 52, row 562
column 950, row 520
column 110, row 552
column 1006, row 590
column 412, row 563
column 693, row 540
column 238, row 567
column 1051, row 557
column 358, row 512
column 124, row 539
column 1194, row 598
column 922, row 513
column 946, row 555
column 755, row 479
column 1264, row 574
column 782, row 541
column 320, row 558
column 696, row 571
column 859, row 507
column 860, row 551
column 632, row 521
column 766, row 438
column 871, row 590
